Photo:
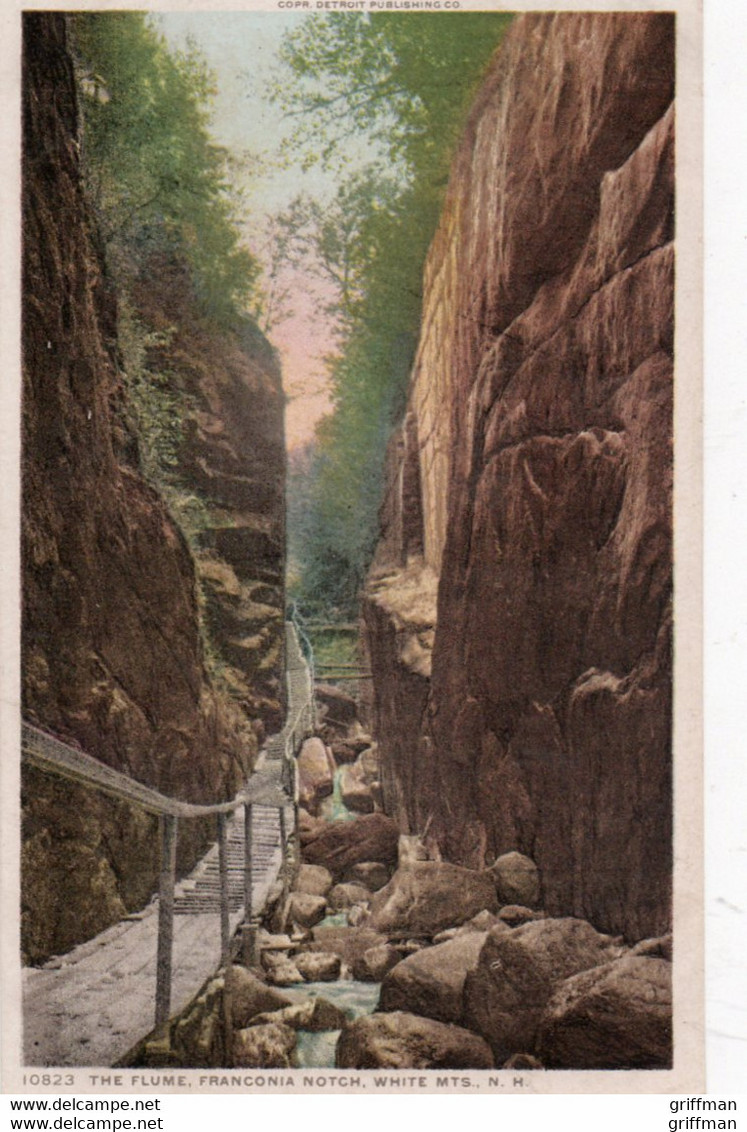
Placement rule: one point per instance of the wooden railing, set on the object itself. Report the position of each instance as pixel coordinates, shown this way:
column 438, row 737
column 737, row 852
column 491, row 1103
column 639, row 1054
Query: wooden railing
column 273, row 784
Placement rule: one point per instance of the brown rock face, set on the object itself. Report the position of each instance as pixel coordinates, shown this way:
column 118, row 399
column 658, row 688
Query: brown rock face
column 313, row 879
column 518, row 970
column 399, row 610
column 431, row 982
column 349, row 943
column 354, row 791
column 424, row 898
column 112, row 653
column 339, row 845
column 250, row 997
column 316, row 774
column 406, row 1041
column 540, row 418
column 231, row 458
column 614, row 1017
column 269, row 1046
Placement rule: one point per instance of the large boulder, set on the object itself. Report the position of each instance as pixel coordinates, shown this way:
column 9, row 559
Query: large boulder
column 368, row 764
column 314, row 1015
column 318, row 966
column 340, row 709
column 316, row 774
column 340, row 845
column 344, row 896
column 306, row 910
column 355, row 791
column 314, row 880
column 658, row 948
column 406, row 1041
column 516, row 914
column 371, row 874
column 281, row 971
column 348, row 749
column 249, row 997
column 517, row 972
column 198, row 1034
column 348, row 943
column 269, row 1046
column 375, row 963
column 428, row 896
column 618, row 1016
column 517, row 880
column 431, row 982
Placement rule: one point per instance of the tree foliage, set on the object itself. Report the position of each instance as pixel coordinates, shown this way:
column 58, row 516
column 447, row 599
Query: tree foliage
column 403, row 82
column 156, row 178
column 397, row 87
column 339, row 240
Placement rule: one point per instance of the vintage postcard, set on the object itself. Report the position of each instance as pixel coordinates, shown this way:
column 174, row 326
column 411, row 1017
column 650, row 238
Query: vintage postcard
column 358, row 738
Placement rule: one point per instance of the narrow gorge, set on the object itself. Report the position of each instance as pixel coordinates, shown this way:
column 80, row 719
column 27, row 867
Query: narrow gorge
column 479, row 869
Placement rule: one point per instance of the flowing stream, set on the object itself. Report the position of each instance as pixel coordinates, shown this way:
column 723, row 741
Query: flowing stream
column 317, row 1050
column 333, row 808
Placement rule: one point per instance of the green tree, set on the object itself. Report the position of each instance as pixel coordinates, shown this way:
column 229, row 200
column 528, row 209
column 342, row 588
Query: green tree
column 339, row 240
column 403, row 82
column 156, row 178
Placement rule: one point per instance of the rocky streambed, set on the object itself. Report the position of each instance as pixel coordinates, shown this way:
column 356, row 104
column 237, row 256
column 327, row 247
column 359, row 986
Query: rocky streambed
column 382, row 957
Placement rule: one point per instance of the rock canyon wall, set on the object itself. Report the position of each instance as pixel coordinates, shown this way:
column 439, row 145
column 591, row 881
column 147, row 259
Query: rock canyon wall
column 530, row 486
column 114, row 624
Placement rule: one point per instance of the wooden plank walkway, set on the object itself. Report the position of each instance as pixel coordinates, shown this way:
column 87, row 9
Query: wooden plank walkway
column 91, row 1006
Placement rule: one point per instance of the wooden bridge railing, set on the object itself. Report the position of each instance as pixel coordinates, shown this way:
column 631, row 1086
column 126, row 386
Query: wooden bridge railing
column 271, row 785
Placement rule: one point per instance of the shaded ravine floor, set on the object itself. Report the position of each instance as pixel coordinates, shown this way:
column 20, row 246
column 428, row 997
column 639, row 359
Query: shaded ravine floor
column 316, row 1050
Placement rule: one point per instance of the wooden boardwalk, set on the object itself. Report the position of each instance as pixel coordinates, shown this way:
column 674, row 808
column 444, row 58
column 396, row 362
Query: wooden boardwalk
column 94, row 1004
column 91, row 1006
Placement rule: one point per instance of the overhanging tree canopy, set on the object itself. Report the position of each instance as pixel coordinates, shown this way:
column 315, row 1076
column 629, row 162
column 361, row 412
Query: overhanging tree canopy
column 399, row 87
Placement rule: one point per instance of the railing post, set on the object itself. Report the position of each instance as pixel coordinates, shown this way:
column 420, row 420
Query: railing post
column 225, row 923
column 248, row 929
column 165, row 918
column 296, row 839
column 284, row 859
column 225, row 939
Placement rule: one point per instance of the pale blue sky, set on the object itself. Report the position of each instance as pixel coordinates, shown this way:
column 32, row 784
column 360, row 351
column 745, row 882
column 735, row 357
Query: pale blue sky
column 241, row 49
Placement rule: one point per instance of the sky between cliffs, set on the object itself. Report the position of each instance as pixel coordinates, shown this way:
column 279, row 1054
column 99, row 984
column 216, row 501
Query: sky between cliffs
column 241, row 50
